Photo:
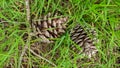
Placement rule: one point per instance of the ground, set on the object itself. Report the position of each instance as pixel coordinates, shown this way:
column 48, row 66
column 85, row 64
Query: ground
column 103, row 15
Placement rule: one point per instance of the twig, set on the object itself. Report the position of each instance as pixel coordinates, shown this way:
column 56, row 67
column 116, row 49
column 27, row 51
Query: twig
column 41, row 57
column 22, row 54
column 28, row 20
column 28, row 11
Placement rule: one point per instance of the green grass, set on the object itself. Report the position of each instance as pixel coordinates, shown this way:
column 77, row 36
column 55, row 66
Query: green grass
column 103, row 14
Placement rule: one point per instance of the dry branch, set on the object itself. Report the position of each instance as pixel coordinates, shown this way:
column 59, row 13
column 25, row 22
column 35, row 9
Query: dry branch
column 28, row 20
column 28, row 10
column 42, row 57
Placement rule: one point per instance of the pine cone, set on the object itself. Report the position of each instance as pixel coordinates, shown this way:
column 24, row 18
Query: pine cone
column 49, row 27
column 81, row 38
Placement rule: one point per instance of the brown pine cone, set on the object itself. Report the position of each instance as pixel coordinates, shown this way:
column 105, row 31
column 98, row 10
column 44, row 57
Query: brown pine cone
column 81, row 38
column 49, row 27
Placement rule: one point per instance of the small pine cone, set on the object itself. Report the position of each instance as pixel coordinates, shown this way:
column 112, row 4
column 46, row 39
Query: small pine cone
column 81, row 38
column 49, row 27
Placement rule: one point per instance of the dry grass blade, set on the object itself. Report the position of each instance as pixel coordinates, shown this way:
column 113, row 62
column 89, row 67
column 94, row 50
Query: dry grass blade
column 42, row 57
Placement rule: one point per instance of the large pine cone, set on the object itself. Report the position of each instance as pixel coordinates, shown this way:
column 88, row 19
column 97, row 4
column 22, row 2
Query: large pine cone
column 49, row 27
column 81, row 38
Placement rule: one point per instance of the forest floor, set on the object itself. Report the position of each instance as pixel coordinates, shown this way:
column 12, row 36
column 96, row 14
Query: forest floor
column 102, row 15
